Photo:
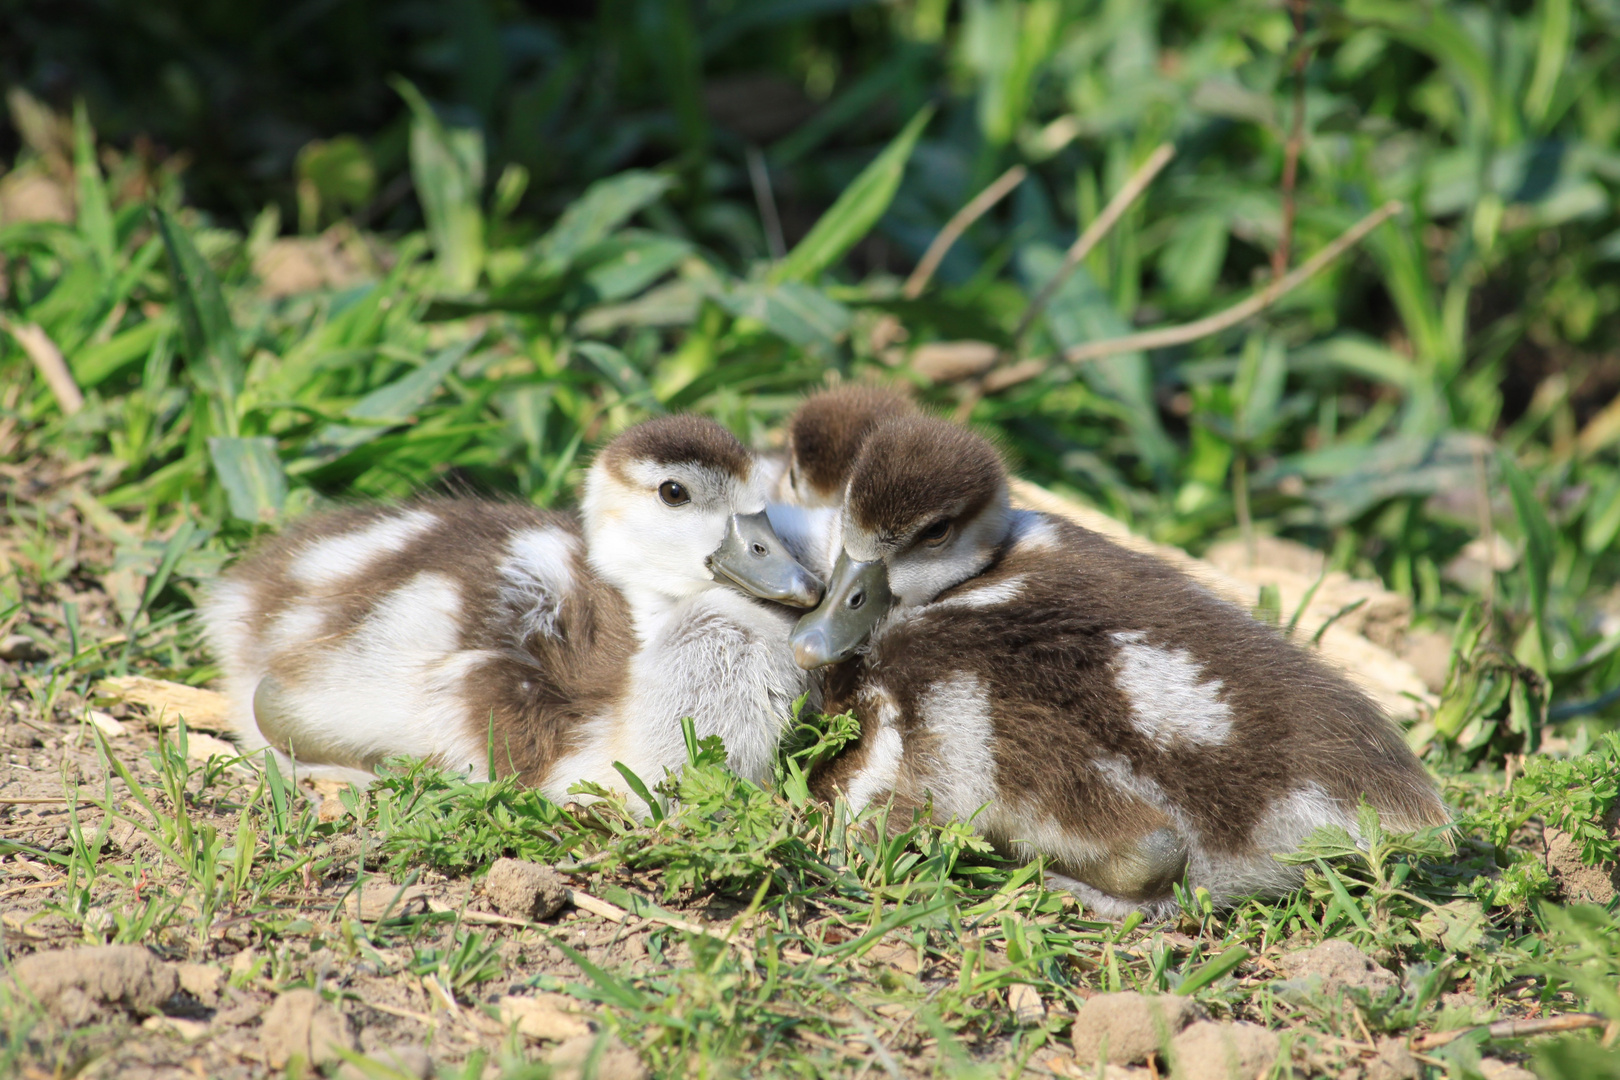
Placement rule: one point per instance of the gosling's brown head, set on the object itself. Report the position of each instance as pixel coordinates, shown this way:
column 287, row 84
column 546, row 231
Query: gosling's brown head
column 825, row 435
column 926, row 509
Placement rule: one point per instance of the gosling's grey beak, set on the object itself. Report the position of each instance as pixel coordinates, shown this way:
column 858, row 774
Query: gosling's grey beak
column 857, row 597
column 752, row 558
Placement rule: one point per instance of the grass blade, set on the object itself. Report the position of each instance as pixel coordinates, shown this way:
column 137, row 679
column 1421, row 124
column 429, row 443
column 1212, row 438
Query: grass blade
column 212, row 352
column 855, row 212
column 1213, row 969
column 1540, row 546
column 95, row 211
column 448, row 168
column 251, row 474
column 605, row 206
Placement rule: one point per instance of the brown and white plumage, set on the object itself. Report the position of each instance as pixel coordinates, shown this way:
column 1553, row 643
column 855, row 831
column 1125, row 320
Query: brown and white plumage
column 1087, row 703
column 824, row 435
column 473, row 632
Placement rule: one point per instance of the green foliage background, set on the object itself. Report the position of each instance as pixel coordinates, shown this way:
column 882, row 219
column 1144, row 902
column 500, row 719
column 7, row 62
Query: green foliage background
column 556, row 220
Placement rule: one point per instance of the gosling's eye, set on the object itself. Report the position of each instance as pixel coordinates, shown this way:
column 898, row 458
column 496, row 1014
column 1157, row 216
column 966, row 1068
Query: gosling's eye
column 936, row 534
column 673, row 494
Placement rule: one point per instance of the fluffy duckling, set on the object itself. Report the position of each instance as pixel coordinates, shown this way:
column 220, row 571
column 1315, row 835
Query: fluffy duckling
column 474, row 633
column 823, row 436
column 1086, row 702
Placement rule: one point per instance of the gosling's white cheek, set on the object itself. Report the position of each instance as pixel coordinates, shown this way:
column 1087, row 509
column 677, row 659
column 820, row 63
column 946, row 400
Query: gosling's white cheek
column 923, row 573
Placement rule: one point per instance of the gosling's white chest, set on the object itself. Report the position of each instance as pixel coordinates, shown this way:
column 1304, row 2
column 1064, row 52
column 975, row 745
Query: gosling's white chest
column 717, row 657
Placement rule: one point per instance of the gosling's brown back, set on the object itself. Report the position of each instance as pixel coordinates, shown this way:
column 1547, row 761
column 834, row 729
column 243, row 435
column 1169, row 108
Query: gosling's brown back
column 552, row 661
column 1110, row 673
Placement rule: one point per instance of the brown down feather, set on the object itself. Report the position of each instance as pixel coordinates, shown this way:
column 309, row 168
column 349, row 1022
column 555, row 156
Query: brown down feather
column 829, row 427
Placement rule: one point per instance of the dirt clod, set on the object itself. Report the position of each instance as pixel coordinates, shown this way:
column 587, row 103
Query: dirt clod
column 1128, row 1027
column 379, row 899
column 525, row 890
column 615, row 1061
column 1338, row 965
column 405, row 1060
column 1578, row 882
column 545, row 1017
column 1214, row 1051
column 1394, row 1062
column 1497, row 1069
column 21, row 649
column 202, row 981
column 301, row 1025
column 75, row 985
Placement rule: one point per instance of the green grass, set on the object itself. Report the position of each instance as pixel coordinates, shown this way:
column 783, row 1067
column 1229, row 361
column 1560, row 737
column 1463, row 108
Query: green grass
column 1447, row 383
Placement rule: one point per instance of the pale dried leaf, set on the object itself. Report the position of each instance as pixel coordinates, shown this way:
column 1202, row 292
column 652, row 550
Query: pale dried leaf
column 164, row 701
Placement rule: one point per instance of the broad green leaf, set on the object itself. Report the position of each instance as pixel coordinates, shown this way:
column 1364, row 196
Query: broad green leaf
column 335, row 173
column 626, row 263
column 605, row 206
column 1360, row 476
column 1437, row 31
column 212, row 352
column 1080, row 312
column 1358, row 356
column 1192, row 258
column 1262, row 372
column 795, row 312
column 1006, row 41
column 1552, row 56
column 94, row 211
column 1602, row 518
column 855, row 211
column 251, row 475
column 447, row 166
column 1540, row 544
column 402, row 397
column 94, row 364
column 389, row 405
column 1216, row 968
column 618, row 370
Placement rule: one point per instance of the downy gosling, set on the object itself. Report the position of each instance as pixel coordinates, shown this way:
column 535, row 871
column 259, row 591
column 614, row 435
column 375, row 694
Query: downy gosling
column 476, row 633
column 1075, row 699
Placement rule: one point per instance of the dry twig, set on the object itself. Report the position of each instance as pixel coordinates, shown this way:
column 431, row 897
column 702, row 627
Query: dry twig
column 759, row 178
column 48, row 362
column 1165, row 336
column 1295, row 144
column 1514, row 1029
column 1094, row 233
column 960, row 222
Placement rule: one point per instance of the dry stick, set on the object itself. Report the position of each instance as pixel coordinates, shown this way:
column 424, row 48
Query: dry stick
column 960, row 222
column 48, row 361
column 52, row 800
column 1166, row 336
column 1295, row 144
column 584, row 901
column 759, row 178
column 1515, row 1029
column 15, row 889
column 1093, row 234
column 989, row 382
